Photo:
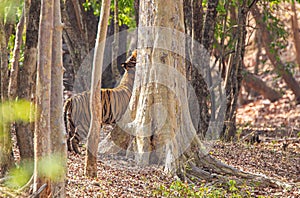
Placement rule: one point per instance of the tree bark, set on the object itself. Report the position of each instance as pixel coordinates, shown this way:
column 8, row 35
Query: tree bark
column 115, row 44
column 58, row 134
column 209, row 24
column 157, row 132
column 6, row 158
column 42, row 134
column 193, row 12
column 14, row 70
column 273, row 54
column 27, row 78
column 79, row 42
column 95, row 97
column 233, row 78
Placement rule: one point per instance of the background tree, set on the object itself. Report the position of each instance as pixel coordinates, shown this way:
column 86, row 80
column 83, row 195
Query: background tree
column 27, row 77
column 7, row 21
column 272, row 53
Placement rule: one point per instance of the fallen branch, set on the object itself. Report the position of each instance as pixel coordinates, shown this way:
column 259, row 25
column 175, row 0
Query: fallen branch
column 39, row 191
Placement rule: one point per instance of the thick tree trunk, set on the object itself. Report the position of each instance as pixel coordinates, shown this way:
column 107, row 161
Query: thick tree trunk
column 58, row 134
column 95, row 97
column 42, row 134
column 161, row 125
column 27, row 76
column 272, row 54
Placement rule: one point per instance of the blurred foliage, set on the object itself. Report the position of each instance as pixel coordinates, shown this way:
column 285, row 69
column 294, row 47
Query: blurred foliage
column 20, row 175
column 52, row 167
column 10, row 112
column 126, row 10
column 8, row 10
column 49, row 167
column 15, row 111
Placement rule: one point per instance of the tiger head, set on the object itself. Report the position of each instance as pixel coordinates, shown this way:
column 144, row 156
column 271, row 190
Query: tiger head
column 131, row 61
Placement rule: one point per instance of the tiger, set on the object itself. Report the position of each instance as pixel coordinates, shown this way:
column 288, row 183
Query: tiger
column 114, row 102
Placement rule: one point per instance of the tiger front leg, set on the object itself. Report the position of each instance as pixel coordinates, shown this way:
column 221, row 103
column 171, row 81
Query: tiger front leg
column 75, row 144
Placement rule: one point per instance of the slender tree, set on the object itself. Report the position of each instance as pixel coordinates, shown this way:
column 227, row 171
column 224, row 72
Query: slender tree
column 58, row 140
column 42, row 147
column 115, row 44
column 95, row 97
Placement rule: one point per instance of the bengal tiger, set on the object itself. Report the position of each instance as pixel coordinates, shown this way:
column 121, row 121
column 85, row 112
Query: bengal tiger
column 77, row 114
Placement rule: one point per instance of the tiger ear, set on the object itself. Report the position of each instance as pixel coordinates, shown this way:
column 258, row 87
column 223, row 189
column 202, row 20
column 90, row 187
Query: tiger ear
column 134, row 53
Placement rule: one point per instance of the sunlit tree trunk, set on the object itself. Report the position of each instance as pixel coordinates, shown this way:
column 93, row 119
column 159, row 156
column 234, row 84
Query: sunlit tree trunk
column 42, row 133
column 58, row 135
column 161, row 114
column 95, row 97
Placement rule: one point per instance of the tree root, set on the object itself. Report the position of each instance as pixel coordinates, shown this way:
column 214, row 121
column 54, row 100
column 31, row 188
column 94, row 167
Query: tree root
column 202, row 166
column 205, row 167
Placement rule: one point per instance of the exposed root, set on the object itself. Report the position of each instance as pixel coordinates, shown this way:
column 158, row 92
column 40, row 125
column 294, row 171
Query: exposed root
column 209, row 169
column 203, row 166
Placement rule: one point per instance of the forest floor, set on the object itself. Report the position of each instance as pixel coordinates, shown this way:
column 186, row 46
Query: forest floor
column 276, row 155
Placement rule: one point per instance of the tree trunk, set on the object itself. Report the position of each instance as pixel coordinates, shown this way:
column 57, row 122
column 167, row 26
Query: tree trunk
column 209, row 24
column 273, row 53
column 295, row 28
column 193, row 12
column 42, row 134
column 115, row 44
column 95, row 97
column 6, row 158
column 156, row 89
column 137, row 10
column 27, row 77
column 233, row 78
column 14, row 70
column 58, row 134
column 79, row 42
